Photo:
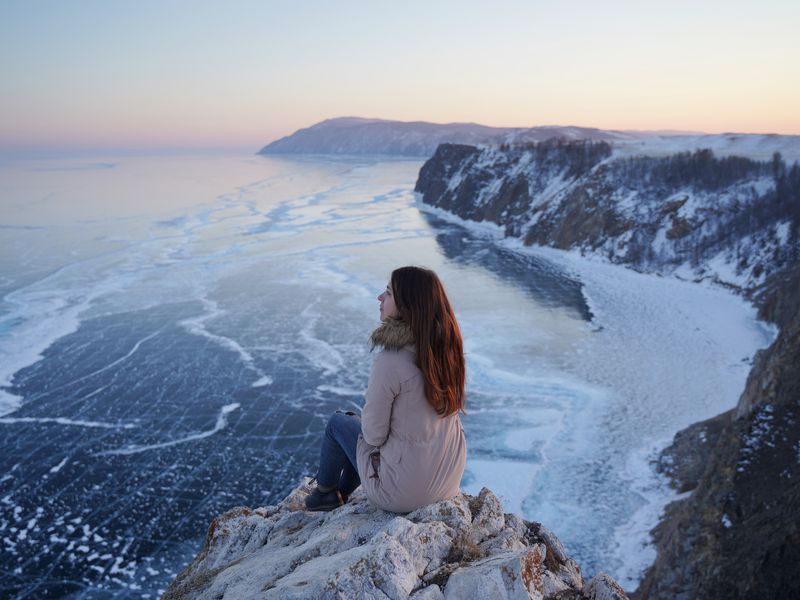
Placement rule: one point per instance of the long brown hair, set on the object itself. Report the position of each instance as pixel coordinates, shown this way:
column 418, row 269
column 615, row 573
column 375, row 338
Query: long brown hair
column 422, row 303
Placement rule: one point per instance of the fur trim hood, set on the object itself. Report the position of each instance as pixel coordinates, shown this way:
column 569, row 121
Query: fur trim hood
column 392, row 334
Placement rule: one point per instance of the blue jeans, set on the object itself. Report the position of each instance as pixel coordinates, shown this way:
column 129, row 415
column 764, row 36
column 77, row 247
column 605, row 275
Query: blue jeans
column 337, row 457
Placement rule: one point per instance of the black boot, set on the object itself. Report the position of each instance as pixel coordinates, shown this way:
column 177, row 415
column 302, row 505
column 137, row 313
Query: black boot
column 319, row 500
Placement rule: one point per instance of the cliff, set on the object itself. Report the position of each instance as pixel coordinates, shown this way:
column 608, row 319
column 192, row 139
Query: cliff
column 731, row 220
column 466, row 547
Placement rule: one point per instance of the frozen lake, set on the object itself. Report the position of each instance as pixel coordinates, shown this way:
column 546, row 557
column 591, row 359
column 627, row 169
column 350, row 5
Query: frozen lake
column 175, row 331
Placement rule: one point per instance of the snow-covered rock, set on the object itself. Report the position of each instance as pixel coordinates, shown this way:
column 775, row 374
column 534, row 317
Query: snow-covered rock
column 466, row 547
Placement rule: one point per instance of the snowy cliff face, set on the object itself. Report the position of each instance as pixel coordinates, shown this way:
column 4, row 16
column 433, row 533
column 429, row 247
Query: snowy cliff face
column 466, row 547
column 733, row 220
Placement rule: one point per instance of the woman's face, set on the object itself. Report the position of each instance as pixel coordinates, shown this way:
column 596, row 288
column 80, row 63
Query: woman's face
column 388, row 307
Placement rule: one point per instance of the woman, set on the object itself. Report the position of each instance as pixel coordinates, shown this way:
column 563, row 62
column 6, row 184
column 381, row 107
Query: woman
column 408, row 447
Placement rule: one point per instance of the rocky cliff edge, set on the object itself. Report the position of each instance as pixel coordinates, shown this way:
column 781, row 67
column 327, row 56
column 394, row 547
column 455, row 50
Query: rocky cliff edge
column 466, row 547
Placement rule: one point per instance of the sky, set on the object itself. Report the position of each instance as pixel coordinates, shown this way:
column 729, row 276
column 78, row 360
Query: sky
column 239, row 74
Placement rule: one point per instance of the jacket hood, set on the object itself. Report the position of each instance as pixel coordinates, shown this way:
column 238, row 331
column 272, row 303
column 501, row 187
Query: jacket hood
column 392, row 334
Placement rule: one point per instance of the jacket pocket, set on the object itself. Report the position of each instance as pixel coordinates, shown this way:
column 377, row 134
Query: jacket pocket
column 375, row 465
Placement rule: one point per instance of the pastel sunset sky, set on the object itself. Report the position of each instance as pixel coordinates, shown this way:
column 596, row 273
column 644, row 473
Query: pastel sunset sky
column 191, row 74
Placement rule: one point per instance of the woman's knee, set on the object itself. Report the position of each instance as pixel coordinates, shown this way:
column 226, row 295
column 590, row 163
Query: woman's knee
column 335, row 421
column 342, row 421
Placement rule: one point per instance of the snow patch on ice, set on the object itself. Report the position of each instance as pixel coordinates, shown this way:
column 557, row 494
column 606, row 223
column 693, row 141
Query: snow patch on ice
column 59, row 466
column 197, row 326
column 65, row 421
column 340, row 391
column 222, row 421
column 265, row 380
column 782, row 232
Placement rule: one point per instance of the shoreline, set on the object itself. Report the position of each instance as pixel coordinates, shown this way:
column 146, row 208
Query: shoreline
column 632, row 547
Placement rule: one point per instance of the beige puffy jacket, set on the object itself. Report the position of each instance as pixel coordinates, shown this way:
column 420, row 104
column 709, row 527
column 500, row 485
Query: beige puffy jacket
column 408, row 456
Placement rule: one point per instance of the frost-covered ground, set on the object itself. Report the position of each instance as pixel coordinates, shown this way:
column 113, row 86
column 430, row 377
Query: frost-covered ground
column 175, row 332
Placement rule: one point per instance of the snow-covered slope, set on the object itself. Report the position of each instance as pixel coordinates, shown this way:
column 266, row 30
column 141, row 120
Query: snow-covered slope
column 731, row 220
column 757, row 146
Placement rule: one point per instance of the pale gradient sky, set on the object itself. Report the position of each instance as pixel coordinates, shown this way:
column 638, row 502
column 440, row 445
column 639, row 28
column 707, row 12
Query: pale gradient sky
column 147, row 74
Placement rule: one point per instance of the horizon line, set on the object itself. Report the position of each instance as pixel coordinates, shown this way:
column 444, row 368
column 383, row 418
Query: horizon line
column 62, row 149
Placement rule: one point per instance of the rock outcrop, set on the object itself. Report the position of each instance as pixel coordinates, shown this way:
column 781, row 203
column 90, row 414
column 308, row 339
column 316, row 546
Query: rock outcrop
column 466, row 547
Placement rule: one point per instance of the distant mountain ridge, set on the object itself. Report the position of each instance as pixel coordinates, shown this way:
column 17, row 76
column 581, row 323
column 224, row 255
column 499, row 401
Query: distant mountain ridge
column 419, row 139
column 354, row 135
